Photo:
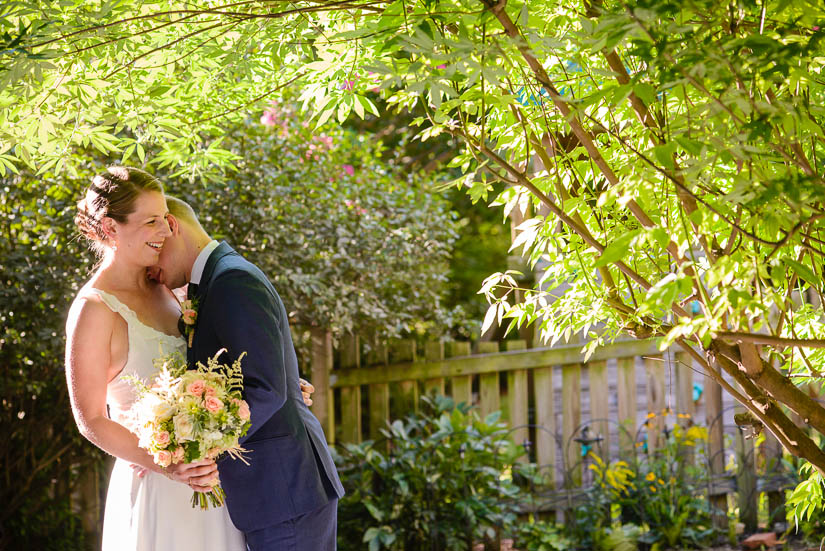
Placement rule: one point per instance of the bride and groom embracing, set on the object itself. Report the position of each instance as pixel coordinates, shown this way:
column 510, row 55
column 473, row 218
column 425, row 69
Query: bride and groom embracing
column 126, row 316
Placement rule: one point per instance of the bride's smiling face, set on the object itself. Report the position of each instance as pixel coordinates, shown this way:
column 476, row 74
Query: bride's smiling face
column 141, row 238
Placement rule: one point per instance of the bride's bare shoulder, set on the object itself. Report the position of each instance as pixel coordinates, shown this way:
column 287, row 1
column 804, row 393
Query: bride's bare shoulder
column 89, row 311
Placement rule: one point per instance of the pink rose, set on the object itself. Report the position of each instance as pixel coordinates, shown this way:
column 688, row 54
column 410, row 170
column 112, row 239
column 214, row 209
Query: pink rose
column 162, row 439
column 349, row 169
column 196, row 387
column 189, row 315
column 213, row 453
column 243, row 410
column 163, row 458
column 212, row 404
column 209, row 391
column 178, row 455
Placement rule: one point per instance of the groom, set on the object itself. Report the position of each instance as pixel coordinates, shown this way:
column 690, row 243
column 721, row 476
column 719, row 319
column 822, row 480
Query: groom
column 287, row 497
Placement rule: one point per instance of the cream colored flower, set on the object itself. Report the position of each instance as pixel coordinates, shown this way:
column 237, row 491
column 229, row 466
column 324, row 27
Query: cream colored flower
column 184, row 430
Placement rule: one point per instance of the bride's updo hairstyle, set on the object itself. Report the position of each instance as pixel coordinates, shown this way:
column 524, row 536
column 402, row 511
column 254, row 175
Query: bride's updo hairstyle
column 112, row 193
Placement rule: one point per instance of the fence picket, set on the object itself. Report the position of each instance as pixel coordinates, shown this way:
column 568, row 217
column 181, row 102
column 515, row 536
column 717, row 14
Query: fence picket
column 716, row 450
column 655, row 370
column 378, row 394
column 626, row 402
column 518, row 400
column 404, row 397
column 685, row 408
column 321, row 366
column 600, row 407
column 489, row 390
column 434, row 351
column 571, row 384
column 350, row 349
column 462, row 385
column 544, row 398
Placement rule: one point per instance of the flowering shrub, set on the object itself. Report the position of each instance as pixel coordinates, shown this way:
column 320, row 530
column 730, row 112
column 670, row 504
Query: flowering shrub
column 351, row 242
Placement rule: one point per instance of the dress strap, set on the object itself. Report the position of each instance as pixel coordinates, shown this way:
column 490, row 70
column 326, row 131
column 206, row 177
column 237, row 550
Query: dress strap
column 114, row 304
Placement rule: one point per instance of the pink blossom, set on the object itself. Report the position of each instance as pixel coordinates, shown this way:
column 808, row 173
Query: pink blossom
column 269, row 118
column 212, row 404
column 209, row 391
column 442, row 66
column 243, row 411
column 162, row 438
column 815, row 27
column 189, row 316
column 196, row 387
column 177, row 455
column 349, row 169
column 349, row 203
column 163, row 458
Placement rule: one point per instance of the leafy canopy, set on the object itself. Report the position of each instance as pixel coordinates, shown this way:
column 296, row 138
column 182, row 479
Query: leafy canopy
column 667, row 153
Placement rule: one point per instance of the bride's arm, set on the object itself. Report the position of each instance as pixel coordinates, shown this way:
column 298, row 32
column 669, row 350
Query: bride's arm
column 89, row 332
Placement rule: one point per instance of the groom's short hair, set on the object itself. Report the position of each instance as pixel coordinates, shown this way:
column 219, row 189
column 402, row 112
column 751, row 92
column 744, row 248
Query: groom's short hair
column 182, row 211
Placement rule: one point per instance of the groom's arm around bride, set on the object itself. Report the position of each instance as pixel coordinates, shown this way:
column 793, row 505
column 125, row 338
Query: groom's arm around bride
column 289, row 490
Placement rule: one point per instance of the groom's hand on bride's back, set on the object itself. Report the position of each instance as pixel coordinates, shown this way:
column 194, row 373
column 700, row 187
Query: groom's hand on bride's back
column 306, row 391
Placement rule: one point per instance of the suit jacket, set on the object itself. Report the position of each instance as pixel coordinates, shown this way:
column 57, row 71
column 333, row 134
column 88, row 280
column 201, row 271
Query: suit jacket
column 290, row 469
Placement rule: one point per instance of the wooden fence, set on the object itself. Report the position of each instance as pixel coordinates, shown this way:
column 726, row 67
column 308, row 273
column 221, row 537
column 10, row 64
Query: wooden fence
column 627, row 396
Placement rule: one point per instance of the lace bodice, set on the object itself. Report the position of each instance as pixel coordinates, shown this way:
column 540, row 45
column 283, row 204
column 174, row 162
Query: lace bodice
column 145, row 344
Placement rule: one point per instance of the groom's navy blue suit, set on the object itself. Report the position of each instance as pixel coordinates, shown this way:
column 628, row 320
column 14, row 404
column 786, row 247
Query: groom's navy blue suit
column 290, row 473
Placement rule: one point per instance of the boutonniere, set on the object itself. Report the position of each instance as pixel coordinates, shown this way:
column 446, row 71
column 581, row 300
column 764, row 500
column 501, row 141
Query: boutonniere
column 189, row 315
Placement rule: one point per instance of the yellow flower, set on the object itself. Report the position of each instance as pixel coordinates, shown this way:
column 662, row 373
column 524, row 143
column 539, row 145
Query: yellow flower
column 650, row 477
column 653, row 489
column 651, row 415
column 662, row 482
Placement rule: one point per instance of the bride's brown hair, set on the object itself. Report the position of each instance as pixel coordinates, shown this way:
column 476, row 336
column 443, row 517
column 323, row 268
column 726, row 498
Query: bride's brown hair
column 112, row 193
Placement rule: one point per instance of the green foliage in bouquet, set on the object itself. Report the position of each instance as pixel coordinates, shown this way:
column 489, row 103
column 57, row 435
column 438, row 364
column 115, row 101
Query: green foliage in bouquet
column 442, row 480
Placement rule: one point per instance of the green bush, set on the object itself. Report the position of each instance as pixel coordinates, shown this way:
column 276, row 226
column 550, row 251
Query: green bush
column 442, row 480
column 541, row 536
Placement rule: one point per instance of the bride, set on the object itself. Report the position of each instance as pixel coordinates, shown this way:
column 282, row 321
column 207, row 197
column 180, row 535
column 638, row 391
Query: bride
column 118, row 323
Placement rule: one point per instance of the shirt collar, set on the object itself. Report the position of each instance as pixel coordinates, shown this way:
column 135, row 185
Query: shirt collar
column 200, row 262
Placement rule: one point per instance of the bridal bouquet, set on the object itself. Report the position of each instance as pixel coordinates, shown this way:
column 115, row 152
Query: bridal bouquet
column 184, row 415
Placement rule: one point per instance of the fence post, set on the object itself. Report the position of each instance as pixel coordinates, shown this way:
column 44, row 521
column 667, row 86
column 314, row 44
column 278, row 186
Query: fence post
column 544, row 398
column 746, row 479
column 488, row 383
column 351, row 395
column 404, row 399
column 322, row 400
column 655, row 369
column 571, row 384
column 600, row 406
column 626, row 401
column 378, row 393
column 773, row 468
column 716, row 451
column 433, row 352
column 517, row 400
column 462, row 386
column 685, row 408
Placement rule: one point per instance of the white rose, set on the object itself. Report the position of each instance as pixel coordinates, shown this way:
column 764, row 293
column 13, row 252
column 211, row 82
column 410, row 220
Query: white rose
column 156, row 408
column 183, row 427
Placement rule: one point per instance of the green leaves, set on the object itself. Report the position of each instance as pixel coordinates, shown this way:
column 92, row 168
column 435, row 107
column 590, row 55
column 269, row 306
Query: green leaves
column 616, row 249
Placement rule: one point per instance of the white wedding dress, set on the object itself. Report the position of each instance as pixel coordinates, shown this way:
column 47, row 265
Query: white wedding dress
column 154, row 513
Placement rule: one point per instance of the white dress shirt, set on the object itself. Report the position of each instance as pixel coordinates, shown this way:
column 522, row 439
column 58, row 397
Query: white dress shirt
column 200, row 262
